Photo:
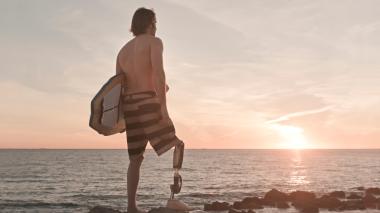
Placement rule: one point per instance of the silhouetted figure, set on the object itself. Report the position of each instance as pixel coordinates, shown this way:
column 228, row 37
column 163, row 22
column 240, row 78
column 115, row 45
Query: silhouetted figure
column 144, row 101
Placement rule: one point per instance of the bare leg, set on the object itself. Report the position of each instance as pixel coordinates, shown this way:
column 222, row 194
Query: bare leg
column 133, row 181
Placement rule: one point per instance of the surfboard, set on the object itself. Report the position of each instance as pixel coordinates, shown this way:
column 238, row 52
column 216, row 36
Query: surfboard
column 106, row 107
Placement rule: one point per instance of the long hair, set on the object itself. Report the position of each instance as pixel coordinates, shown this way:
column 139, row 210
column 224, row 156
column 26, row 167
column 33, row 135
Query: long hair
column 142, row 18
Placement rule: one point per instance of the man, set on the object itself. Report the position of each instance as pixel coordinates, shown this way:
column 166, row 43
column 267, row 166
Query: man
column 145, row 108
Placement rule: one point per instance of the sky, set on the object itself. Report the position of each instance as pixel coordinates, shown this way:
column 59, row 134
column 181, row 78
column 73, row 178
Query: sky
column 252, row 74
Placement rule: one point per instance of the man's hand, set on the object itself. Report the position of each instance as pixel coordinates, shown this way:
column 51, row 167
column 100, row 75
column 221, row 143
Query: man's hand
column 164, row 111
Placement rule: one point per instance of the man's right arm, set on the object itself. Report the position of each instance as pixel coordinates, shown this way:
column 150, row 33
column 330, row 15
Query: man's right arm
column 156, row 55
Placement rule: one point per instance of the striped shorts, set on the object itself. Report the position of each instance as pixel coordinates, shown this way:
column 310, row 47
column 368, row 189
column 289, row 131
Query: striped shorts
column 144, row 122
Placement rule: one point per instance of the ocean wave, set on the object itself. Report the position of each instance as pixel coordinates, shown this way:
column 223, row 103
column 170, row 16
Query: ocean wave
column 200, row 195
column 28, row 204
column 24, row 181
column 100, row 197
column 213, row 187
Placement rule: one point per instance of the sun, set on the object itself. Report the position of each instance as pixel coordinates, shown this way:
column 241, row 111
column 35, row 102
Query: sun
column 292, row 137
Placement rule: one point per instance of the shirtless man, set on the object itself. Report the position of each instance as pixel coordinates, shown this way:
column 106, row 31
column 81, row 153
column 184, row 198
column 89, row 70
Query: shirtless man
column 141, row 59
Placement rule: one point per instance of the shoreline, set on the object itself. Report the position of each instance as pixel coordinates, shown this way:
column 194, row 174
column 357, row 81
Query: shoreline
column 359, row 198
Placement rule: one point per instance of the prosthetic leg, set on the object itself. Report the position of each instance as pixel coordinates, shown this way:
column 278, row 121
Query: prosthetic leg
column 176, row 187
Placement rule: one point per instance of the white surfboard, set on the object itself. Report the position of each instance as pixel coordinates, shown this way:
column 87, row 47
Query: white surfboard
column 107, row 116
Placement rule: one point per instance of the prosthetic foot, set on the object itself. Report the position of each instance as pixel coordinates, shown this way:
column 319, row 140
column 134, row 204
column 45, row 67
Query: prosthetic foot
column 176, row 187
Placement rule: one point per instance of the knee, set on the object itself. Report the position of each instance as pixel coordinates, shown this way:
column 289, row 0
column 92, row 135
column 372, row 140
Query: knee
column 181, row 144
column 136, row 159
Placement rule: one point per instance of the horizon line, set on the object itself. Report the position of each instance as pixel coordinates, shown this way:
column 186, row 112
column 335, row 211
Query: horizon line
column 194, row 149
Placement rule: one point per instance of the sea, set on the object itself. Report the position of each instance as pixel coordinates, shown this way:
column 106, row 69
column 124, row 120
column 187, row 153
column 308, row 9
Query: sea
column 48, row 180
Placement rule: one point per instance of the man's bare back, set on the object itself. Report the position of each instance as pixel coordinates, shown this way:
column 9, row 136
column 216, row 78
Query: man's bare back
column 141, row 60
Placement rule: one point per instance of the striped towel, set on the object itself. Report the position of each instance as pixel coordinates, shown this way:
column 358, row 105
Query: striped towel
column 144, row 122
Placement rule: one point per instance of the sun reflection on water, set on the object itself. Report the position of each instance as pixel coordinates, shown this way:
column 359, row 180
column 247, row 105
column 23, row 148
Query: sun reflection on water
column 298, row 174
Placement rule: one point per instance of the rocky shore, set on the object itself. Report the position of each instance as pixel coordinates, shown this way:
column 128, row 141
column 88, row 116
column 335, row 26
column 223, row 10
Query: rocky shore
column 102, row 209
column 358, row 198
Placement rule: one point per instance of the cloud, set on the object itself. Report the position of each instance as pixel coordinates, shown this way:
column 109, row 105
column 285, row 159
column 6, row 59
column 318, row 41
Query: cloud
column 298, row 114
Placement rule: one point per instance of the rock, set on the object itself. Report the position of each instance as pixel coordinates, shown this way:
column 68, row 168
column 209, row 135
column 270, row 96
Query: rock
column 352, row 205
column 252, row 200
column 102, row 209
column 282, row 205
column 232, row 210
column 276, row 196
column 301, row 199
column 360, row 188
column 310, row 209
column 338, row 194
column 369, row 201
column 268, row 203
column 237, row 205
column 217, row 206
column 328, row 202
column 252, row 203
column 369, row 198
column 165, row 210
column 374, row 191
column 301, row 195
column 354, row 196
column 247, row 205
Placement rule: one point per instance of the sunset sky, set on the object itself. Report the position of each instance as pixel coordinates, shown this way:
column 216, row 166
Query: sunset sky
column 242, row 74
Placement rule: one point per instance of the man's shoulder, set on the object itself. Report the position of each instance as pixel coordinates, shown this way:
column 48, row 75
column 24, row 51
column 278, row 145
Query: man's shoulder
column 156, row 41
column 126, row 45
column 150, row 40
